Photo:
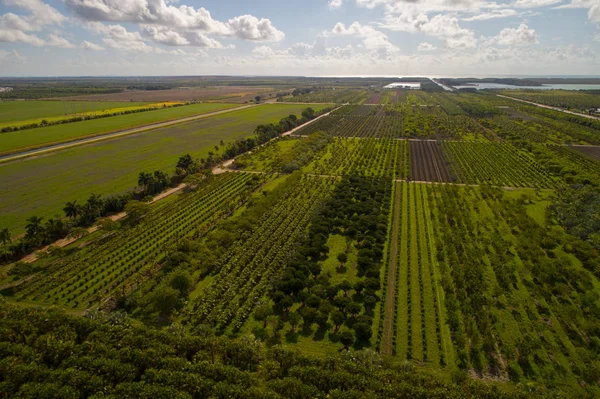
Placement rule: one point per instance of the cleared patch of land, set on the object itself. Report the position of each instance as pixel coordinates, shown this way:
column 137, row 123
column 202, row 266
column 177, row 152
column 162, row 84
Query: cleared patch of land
column 233, row 93
column 591, row 151
column 14, row 111
column 34, row 138
column 41, row 185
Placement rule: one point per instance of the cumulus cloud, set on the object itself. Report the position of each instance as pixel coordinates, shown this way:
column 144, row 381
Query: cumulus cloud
column 17, row 36
column 426, row 47
column 179, row 19
column 17, row 28
column 251, row 28
column 372, row 38
column 41, row 13
column 91, row 46
column 522, row 35
column 57, row 41
column 335, row 3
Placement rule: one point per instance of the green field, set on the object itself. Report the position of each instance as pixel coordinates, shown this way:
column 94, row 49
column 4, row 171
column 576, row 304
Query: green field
column 41, row 185
column 34, row 138
column 15, row 111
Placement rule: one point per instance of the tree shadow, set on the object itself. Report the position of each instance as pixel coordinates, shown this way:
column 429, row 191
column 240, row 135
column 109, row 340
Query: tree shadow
column 291, row 337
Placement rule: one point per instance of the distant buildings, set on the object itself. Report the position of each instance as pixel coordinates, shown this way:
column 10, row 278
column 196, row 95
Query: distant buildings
column 5, row 89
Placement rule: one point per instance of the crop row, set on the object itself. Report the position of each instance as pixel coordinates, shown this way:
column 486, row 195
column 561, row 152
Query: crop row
column 125, row 257
column 498, row 164
column 246, row 269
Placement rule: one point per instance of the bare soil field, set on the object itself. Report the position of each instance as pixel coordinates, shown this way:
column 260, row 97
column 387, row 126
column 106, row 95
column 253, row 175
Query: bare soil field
column 230, row 93
column 374, row 99
column 427, row 161
column 592, row 151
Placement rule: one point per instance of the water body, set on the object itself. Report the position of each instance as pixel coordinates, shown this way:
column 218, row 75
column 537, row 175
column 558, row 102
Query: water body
column 410, row 85
column 483, row 86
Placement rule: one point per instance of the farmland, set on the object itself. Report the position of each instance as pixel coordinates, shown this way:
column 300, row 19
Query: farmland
column 15, row 111
column 34, row 138
column 112, row 166
column 452, row 234
column 237, row 94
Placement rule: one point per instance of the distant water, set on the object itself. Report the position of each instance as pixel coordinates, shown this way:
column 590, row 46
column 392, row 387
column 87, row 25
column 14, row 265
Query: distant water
column 412, row 85
column 483, row 86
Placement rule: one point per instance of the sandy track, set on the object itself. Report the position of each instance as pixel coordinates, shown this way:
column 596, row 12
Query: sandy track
column 66, row 241
column 549, row 107
column 387, row 347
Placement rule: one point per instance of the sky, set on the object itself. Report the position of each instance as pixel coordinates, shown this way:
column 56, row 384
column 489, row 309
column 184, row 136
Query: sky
column 433, row 38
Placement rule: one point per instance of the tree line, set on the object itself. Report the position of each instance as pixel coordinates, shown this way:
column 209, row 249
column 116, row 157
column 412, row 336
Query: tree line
column 46, row 353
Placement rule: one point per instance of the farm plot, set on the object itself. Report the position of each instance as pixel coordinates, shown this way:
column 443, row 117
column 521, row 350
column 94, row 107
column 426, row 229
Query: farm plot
column 589, row 150
column 245, row 271
column 41, row 185
column 125, row 259
column 417, row 309
column 12, row 142
column 498, row 164
column 15, row 111
column 365, row 157
column 512, row 286
column 427, row 161
column 230, row 93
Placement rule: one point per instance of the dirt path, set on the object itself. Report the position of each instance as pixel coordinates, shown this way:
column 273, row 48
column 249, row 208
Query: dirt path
column 549, row 107
column 111, row 135
column 69, row 240
column 224, row 167
column 390, row 299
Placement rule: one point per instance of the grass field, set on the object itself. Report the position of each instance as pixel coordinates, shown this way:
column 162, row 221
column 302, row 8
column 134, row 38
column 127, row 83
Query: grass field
column 15, row 111
column 35, row 138
column 41, row 185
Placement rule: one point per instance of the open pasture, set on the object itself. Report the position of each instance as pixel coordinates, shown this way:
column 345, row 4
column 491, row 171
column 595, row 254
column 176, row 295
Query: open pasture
column 41, row 185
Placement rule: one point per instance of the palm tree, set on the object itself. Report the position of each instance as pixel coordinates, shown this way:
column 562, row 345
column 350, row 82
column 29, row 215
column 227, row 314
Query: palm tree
column 34, row 226
column 72, row 210
column 144, row 178
column 5, row 235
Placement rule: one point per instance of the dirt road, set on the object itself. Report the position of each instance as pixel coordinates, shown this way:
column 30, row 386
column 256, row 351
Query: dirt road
column 552, row 108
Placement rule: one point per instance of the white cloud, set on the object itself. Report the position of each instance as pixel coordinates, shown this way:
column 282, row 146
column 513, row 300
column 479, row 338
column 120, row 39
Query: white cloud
column 57, row 41
column 522, row 35
column 16, row 28
column 91, row 46
column 251, row 28
column 426, row 47
column 41, row 13
column 593, row 7
column 180, row 19
column 372, row 38
column 535, row 3
column 491, row 15
column 17, row 36
column 335, row 3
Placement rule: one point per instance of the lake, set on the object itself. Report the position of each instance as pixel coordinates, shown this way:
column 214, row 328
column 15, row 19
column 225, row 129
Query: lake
column 483, row 86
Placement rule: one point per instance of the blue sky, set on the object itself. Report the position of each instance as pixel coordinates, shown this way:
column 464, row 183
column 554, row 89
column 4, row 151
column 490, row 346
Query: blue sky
column 310, row 37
